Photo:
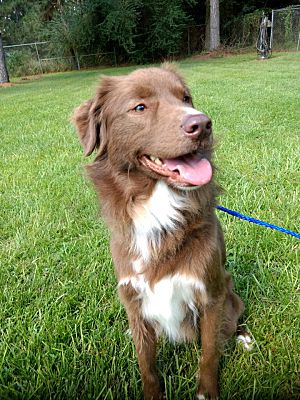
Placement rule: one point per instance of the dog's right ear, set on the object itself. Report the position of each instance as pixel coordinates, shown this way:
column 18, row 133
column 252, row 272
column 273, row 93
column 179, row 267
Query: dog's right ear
column 86, row 118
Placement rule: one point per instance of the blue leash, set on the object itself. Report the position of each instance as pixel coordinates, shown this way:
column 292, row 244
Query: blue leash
column 258, row 222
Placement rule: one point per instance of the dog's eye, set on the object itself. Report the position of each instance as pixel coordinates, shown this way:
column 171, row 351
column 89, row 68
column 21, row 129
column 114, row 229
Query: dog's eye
column 186, row 99
column 140, row 107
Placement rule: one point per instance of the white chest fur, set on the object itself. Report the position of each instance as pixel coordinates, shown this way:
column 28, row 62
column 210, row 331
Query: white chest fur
column 168, row 302
column 160, row 212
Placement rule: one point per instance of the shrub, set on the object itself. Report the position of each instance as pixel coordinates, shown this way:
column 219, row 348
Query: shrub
column 22, row 62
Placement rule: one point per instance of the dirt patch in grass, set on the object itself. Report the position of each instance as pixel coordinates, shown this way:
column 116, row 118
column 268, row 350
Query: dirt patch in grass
column 5, row 85
column 222, row 52
column 25, row 79
column 21, row 80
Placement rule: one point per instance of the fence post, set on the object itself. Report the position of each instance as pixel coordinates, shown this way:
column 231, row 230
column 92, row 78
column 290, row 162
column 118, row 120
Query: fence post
column 115, row 57
column 77, row 60
column 38, row 57
column 272, row 27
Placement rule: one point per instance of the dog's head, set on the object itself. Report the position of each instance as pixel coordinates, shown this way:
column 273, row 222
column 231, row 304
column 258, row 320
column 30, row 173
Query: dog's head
column 146, row 122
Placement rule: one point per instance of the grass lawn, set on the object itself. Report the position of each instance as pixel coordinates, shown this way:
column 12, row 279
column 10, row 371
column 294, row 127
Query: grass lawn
column 63, row 330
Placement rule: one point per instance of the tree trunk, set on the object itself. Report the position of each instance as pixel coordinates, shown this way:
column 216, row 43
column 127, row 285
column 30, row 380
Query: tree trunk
column 207, row 25
column 4, row 78
column 212, row 39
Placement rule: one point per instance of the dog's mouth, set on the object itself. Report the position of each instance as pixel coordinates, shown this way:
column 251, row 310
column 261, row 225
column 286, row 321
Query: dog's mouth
column 186, row 170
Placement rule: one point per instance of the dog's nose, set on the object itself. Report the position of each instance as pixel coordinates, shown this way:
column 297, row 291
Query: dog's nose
column 196, row 125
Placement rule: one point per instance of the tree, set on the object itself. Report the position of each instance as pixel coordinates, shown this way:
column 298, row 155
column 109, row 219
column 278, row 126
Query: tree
column 119, row 26
column 212, row 39
column 168, row 21
column 4, row 78
column 23, row 21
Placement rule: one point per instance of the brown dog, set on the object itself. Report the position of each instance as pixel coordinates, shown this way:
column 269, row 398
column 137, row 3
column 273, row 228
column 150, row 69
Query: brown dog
column 154, row 175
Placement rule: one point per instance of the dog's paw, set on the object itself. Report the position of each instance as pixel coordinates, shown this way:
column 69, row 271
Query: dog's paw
column 245, row 339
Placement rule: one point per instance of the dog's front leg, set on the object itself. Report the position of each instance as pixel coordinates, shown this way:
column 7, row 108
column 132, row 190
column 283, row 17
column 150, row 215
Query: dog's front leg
column 144, row 338
column 210, row 340
column 145, row 342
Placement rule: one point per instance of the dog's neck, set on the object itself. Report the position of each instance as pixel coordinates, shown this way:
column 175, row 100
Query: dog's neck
column 152, row 217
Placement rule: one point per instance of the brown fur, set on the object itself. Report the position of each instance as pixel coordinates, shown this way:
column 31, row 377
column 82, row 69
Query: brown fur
column 109, row 124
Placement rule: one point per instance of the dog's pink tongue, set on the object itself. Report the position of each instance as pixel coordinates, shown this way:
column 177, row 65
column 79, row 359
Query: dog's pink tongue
column 191, row 169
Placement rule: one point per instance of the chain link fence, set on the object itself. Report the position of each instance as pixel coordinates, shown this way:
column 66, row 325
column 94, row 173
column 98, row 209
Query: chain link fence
column 40, row 57
column 285, row 34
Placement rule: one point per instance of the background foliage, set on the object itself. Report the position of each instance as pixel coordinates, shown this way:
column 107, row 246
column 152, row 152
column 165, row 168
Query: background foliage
column 129, row 30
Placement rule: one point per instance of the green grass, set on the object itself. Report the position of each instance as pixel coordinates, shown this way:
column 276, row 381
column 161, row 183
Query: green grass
column 62, row 330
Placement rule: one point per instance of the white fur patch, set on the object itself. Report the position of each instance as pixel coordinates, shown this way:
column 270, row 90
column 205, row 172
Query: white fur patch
column 246, row 341
column 160, row 212
column 137, row 265
column 191, row 111
column 166, row 303
column 200, row 397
